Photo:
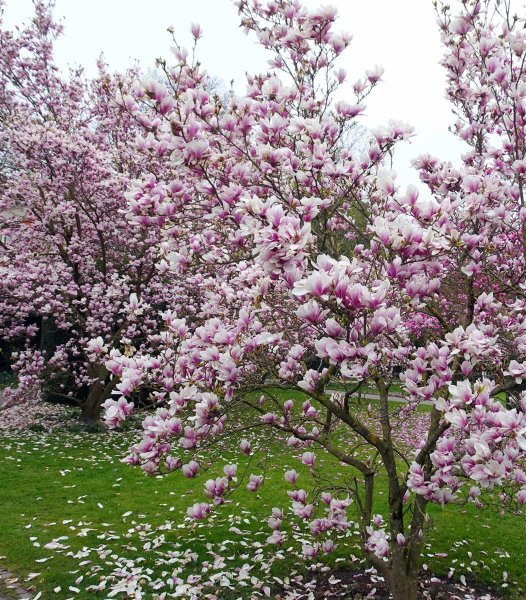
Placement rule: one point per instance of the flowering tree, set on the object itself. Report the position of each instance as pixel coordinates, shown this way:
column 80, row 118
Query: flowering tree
column 314, row 268
column 70, row 253
column 298, row 262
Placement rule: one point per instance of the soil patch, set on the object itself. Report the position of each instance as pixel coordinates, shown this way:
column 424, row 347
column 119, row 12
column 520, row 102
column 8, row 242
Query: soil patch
column 359, row 585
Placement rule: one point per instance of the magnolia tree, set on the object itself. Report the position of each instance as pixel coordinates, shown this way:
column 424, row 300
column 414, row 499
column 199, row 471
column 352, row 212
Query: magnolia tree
column 313, row 268
column 69, row 254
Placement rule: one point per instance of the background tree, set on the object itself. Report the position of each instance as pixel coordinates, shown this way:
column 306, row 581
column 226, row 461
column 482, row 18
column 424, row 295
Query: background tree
column 71, row 257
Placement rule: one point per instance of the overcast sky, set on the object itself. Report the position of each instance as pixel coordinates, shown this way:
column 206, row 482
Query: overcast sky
column 400, row 35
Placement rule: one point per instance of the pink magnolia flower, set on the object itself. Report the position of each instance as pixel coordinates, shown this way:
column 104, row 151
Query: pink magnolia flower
column 254, row 483
column 116, row 411
column 190, row 469
column 198, row 511
column 245, row 446
column 276, row 538
column 230, row 471
column 308, row 458
column 291, row 476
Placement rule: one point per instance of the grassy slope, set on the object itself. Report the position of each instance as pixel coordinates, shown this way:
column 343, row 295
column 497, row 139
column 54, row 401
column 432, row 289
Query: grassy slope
column 60, row 484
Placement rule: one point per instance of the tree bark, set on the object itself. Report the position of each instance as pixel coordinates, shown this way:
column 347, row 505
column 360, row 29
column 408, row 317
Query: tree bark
column 402, row 585
column 402, row 575
column 99, row 392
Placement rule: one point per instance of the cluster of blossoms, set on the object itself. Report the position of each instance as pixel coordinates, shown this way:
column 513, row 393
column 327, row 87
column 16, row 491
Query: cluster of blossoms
column 69, row 256
column 484, row 446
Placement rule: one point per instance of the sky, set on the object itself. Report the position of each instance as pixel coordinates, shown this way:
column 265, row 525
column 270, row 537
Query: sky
column 400, row 35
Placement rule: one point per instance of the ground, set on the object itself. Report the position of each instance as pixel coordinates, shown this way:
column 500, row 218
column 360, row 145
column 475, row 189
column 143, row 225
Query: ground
column 76, row 521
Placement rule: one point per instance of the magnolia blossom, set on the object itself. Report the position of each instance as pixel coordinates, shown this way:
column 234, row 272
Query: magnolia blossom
column 291, row 476
column 254, row 483
column 116, row 411
column 198, row 511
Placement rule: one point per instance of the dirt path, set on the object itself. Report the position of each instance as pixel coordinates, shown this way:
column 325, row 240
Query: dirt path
column 10, row 588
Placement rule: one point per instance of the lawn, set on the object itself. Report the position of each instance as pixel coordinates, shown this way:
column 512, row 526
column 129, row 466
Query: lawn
column 75, row 520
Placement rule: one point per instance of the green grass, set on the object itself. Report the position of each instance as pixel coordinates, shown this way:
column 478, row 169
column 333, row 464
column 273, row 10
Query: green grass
column 69, row 486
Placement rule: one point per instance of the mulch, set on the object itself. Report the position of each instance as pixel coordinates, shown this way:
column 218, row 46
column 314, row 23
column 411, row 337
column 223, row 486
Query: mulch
column 359, row 585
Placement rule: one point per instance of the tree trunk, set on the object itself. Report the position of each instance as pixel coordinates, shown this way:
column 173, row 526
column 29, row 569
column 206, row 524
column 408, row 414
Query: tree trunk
column 402, row 572
column 99, row 392
column 403, row 586
column 401, row 578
